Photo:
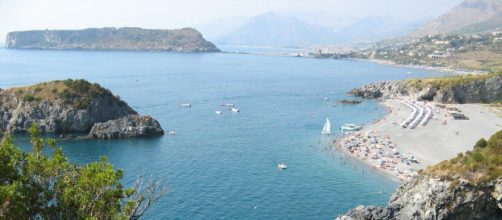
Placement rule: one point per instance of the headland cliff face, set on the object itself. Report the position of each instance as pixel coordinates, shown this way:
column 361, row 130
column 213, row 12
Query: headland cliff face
column 458, row 89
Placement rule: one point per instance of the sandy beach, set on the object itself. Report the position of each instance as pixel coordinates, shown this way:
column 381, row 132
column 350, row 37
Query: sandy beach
column 400, row 152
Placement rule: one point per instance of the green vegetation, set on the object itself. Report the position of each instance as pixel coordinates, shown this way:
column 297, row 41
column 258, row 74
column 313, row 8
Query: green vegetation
column 36, row 186
column 450, row 81
column 79, row 93
column 30, row 98
column 482, row 164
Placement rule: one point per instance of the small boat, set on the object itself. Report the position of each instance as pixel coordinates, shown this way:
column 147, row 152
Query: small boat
column 327, row 127
column 234, row 109
column 228, row 105
column 218, row 112
column 188, row 105
column 282, row 166
column 172, row 132
column 350, row 127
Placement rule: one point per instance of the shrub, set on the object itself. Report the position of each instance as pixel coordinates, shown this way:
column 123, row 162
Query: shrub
column 481, row 143
column 30, row 98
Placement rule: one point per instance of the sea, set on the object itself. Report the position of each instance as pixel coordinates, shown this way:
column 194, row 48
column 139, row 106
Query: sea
column 224, row 166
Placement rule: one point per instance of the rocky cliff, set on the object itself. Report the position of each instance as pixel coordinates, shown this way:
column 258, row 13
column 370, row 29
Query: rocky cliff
column 134, row 39
column 426, row 198
column 61, row 107
column 126, row 127
column 456, row 89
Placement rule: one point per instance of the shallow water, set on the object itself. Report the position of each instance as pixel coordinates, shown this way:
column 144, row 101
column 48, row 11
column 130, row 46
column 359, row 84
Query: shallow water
column 225, row 166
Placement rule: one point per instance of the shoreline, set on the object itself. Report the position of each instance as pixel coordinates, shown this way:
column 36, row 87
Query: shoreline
column 424, row 68
column 401, row 152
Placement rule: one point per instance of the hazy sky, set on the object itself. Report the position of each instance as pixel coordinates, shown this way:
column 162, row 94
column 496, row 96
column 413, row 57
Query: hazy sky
column 73, row 14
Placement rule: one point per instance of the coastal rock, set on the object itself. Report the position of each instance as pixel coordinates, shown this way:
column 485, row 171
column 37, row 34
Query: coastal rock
column 133, row 39
column 59, row 107
column 425, row 198
column 483, row 90
column 127, row 127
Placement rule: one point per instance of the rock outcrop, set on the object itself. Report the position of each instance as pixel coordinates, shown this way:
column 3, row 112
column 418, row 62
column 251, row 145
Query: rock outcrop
column 127, row 127
column 132, row 39
column 473, row 91
column 60, row 107
column 427, row 198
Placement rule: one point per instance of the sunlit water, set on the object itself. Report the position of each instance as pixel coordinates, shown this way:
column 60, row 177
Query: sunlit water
column 225, row 166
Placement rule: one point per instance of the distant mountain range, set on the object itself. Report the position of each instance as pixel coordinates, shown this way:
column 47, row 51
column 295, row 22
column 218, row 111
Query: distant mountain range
column 303, row 29
column 469, row 17
column 271, row 29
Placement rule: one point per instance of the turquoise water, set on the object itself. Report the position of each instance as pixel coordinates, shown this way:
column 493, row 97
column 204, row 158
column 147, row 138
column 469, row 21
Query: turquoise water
column 225, row 166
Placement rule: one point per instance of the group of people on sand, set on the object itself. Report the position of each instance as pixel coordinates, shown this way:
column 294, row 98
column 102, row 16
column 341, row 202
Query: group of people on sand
column 380, row 152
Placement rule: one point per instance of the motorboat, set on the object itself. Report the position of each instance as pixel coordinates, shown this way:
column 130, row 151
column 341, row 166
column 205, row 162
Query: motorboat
column 327, row 127
column 218, row 112
column 172, row 132
column 350, row 127
column 282, row 166
column 188, row 105
column 233, row 109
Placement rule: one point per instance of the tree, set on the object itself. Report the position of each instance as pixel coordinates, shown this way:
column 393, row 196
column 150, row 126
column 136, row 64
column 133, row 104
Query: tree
column 34, row 185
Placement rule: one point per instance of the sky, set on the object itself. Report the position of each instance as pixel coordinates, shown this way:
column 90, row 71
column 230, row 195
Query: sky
column 167, row 14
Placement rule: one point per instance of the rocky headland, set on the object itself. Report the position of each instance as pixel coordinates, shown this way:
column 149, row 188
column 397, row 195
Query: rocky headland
column 468, row 186
column 482, row 88
column 130, row 39
column 72, row 107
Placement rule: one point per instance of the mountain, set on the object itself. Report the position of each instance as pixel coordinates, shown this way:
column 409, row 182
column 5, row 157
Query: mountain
column 319, row 28
column 221, row 27
column 136, row 39
column 377, row 28
column 468, row 17
column 272, row 29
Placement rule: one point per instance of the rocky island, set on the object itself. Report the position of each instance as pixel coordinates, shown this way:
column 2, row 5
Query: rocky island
column 130, row 39
column 72, row 106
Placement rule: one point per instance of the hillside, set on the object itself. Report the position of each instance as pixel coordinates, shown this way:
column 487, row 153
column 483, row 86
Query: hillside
column 457, row 51
column 468, row 17
column 134, row 39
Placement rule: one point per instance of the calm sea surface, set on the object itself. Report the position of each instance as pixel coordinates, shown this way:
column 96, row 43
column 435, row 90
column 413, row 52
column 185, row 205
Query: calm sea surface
column 225, row 166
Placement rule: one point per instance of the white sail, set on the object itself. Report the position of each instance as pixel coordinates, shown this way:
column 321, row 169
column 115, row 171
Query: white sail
column 327, row 127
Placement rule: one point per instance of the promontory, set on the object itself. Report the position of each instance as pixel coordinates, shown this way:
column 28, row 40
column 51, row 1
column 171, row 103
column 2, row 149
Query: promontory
column 126, row 38
column 72, row 107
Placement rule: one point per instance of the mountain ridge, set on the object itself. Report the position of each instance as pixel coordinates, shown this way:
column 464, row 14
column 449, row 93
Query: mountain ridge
column 468, row 17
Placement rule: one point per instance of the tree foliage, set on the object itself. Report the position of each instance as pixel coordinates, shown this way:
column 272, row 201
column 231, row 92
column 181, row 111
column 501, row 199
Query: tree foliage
column 37, row 186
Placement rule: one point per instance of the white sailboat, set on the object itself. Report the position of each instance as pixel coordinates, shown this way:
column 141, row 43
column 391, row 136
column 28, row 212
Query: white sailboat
column 327, row 127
